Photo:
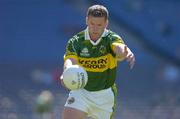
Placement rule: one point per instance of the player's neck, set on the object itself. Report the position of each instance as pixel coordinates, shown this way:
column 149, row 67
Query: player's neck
column 94, row 37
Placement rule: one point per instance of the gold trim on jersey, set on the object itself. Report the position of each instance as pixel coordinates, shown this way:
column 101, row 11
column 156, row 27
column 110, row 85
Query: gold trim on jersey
column 113, row 47
column 115, row 44
column 75, row 57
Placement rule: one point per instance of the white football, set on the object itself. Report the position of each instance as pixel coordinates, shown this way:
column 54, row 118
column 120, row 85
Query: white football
column 75, row 77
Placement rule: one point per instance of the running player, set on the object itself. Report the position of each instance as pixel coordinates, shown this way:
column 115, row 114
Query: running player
column 97, row 49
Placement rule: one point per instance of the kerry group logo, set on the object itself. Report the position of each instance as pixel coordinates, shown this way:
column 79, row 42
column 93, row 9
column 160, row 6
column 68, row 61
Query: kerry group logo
column 84, row 52
column 100, row 63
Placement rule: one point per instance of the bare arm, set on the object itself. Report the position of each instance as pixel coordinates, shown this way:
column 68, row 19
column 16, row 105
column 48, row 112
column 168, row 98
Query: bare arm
column 123, row 52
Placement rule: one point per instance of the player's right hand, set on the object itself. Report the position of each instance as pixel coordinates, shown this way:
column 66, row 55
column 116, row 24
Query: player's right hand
column 130, row 58
column 62, row 83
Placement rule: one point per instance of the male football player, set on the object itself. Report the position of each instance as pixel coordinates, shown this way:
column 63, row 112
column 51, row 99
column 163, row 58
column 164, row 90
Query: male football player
column 97, row 50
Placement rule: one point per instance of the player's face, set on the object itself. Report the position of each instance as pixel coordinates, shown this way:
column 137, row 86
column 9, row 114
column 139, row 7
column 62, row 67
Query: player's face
column 96, row 26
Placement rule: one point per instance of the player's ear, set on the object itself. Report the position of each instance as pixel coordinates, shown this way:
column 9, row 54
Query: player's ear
column 107, row 23
column 86, row 20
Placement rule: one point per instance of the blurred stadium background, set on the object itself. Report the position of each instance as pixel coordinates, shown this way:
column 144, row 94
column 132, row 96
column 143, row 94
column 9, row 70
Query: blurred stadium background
column 33, row 34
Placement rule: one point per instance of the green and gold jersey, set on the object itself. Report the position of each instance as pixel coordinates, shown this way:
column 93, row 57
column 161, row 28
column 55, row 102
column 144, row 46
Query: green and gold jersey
column 97, row 58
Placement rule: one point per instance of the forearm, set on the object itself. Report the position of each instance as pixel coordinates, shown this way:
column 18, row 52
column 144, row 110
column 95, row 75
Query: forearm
column 123, row 52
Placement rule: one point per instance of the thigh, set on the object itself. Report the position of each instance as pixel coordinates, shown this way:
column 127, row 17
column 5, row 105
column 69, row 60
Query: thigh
column 75, row 107
column 103, row 114
column 72, row 113
column 102, row 111
column 103, row 105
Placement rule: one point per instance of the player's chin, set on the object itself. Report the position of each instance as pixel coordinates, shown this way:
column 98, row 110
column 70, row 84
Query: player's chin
column 95, row 33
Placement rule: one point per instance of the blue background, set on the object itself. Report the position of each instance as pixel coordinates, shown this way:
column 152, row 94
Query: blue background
column 33, row 36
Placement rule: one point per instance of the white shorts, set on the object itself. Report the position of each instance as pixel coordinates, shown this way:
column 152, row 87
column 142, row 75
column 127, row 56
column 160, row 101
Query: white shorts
column 97, row 104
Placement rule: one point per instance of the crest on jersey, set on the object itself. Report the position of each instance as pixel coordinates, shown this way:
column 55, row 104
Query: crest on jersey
column 84, row 52
column 102, row 49
column 71, row 100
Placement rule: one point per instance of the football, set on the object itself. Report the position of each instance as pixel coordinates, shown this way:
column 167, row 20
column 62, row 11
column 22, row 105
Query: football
column 74, row 77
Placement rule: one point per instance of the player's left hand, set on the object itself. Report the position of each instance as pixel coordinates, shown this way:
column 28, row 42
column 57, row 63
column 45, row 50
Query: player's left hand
column 130, row 58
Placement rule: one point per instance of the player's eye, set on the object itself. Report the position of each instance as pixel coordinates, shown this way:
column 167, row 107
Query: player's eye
column 99, row 25
column 92, row 24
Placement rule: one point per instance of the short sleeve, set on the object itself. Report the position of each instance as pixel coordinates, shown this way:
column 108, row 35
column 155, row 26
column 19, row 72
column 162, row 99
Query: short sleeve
column 115, row 40
column 71, row 49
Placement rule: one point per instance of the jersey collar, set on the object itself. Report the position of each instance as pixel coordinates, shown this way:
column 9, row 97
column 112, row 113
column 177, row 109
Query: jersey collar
column 87, row 37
